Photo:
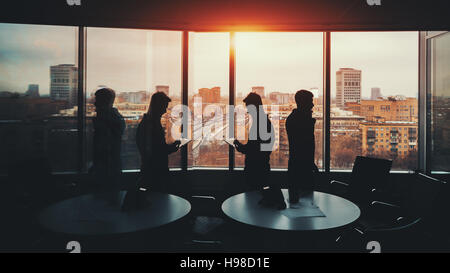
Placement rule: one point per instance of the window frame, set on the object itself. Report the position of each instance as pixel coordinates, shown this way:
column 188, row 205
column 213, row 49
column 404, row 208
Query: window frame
column 326, row 126
column 424, row 130
column 423, row 119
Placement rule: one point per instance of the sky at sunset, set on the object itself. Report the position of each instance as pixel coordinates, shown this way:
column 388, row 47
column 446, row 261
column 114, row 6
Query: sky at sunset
column 134, row 60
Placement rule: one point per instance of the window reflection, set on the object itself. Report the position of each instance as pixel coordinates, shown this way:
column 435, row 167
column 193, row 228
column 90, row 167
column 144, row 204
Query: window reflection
column 38, row 95
column 136, row 64
column 439, row 91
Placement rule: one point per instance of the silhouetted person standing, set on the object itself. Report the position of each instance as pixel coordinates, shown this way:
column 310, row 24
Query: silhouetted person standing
column 109, row 126
column 257, row 154
column 300, row 130
column 152, row 145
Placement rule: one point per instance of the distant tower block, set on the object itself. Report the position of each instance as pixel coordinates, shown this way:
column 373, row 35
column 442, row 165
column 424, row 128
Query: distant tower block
column 376, row 93
column 210, row 95
column 260, row 90
column 64, row 83
column 33, row 91
column 163, row 88
column 348, row 86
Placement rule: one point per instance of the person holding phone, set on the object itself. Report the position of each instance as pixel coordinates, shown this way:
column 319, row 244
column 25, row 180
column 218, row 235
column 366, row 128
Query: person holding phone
column 152, row 146
column 300, row 130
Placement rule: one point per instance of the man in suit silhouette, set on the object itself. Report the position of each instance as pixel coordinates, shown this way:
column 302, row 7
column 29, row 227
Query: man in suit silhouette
column 257, row 154
column 151, row 142
column 109, row 127
column 300, row 130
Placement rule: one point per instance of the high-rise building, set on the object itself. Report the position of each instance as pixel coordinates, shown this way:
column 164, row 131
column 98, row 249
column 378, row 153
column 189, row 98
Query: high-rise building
column 163, row 88
column 376, row 93
column 33, row 91
column 348, row 86
column 260, row 90
column 210, row 95
column 64, row 83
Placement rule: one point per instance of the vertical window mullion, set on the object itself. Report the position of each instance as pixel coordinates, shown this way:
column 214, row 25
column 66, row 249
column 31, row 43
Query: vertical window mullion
column 423, row 104
column 326, row 99
column 185, row 97
column 232, row 101
column 81, row 115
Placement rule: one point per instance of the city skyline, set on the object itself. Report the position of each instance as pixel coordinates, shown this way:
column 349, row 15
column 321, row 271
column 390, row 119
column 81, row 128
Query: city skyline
column 150, row 58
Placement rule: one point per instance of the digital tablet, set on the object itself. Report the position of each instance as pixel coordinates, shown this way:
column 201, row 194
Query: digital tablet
column 184, row 141
column 230, row 141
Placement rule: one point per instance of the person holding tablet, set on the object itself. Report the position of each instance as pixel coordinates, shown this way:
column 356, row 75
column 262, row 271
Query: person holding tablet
column 151, row 142
column 257, row 154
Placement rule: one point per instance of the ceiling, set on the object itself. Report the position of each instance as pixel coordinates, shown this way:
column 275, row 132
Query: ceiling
column 230, row 15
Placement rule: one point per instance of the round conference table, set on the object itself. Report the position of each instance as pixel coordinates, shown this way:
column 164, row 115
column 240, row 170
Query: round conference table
column 93, row 214
column 328, row 212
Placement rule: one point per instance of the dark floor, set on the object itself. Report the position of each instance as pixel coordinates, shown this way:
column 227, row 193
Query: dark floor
column 205, row 229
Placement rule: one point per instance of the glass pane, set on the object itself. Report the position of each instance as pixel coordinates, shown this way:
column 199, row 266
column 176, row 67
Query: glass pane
column 276, row 66
column 374, row 112
column 135, row 64
column 439, row 89
column 208, row 99
column 38, row 95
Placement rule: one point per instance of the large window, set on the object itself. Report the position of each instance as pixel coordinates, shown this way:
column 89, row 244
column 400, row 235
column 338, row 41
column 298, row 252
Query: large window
column 208, row 99
column 136, row 64
column 438, row 88
column 38, row 95
column 374, row 105
column 276, row 66
column 374, row 111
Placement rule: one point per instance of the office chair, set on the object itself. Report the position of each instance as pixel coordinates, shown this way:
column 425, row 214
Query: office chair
column 369, row 176
column 435, row 223
column 206, row 221
column 402, row 226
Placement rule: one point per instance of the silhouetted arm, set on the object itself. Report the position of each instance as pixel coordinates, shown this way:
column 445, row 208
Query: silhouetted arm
column 174, row 147
column 240, row 147
column 117, row 122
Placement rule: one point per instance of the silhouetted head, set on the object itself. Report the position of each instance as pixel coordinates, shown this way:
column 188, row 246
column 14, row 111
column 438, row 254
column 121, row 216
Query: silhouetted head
column 304, row 100
column 159, row 103
column 104, row 98
column 253, row 99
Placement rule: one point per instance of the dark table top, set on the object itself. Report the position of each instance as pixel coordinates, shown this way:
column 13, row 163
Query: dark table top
column 338, row 212
column 95, row 215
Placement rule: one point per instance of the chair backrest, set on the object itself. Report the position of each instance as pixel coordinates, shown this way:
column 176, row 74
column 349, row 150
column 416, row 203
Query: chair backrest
column 420, row 199
column 437, row 217
column 373, row 170
column 367, row 174
column 204, row 205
